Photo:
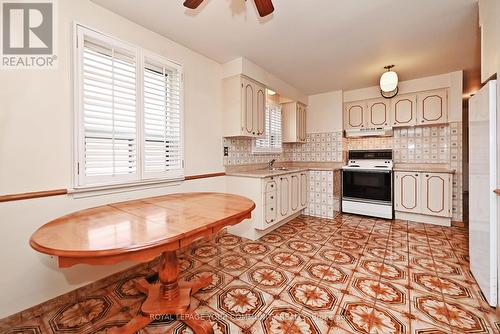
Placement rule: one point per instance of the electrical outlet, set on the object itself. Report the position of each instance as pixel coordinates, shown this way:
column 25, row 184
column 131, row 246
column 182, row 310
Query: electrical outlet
column 226, row 151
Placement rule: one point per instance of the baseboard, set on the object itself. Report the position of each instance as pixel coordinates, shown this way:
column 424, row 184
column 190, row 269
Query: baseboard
column 415, row 217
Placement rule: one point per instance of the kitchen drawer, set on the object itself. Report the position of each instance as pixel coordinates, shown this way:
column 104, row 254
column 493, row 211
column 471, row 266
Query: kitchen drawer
column 271, row 209
column 271, row 197
column 270, row 186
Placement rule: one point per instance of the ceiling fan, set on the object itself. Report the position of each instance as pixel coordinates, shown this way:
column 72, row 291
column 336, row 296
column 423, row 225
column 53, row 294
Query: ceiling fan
column 265, row 7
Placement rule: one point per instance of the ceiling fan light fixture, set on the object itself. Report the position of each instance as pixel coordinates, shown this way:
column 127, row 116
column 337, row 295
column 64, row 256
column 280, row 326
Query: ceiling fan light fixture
column 389, row 82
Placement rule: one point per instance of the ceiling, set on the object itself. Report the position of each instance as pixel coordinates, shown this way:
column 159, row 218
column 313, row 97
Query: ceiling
column 322, row 45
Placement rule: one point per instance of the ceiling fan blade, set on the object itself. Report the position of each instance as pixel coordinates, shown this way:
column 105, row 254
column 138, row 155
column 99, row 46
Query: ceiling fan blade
column 192, row 4
column 265, row 7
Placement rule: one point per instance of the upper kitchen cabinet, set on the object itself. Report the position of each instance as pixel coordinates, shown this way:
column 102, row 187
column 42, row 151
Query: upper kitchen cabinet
column 354, row 115
column 374, row 113
column 404, row 110
column 378, row 113
column 294, row 122
column 244, row 107
column 432, row 107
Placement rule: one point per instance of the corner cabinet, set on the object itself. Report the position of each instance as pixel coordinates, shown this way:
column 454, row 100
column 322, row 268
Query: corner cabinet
column 294, row 122
column 244, row 107
column 423, row 197
column 277, row 199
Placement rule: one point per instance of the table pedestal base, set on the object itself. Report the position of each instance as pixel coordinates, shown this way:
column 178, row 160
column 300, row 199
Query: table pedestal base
column 168, row 297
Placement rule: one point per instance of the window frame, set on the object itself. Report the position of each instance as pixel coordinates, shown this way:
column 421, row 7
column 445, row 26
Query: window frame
column 269, row 150
column 80, row 181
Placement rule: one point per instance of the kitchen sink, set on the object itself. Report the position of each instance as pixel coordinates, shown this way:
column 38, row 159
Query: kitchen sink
column 277, row 169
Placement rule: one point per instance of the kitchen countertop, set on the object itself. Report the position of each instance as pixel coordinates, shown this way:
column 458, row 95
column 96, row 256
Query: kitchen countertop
column 430, row 168
column 264, row 172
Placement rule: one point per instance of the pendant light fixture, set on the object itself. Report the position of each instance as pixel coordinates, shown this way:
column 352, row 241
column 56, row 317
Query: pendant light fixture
column 389, row 83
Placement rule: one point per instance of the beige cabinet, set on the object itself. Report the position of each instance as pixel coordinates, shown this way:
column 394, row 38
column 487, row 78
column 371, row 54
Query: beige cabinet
column 378, row 113
column 423, row 197
column 284, row 194
column 432, row 107
column 271, row 202
column 354, row 115
column 276, row 198
column 407, row 192
column 423, row 108
column 303, row 189
column 436, row 194
column 368, row 114
column 404, row 110
column 244, row 107
column 293, row 122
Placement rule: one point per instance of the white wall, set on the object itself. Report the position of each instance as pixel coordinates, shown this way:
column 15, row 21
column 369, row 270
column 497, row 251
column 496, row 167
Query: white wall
column 453, row 81
column 490, row 27
column 324, row 112
column 246, row 67
column 35, row 151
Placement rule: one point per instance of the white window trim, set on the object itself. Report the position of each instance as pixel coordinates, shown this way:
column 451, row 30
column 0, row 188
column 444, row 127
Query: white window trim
column 78, row 184
column 269, row 150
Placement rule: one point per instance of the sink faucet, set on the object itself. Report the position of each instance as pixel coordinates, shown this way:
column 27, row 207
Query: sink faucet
column 271, row 164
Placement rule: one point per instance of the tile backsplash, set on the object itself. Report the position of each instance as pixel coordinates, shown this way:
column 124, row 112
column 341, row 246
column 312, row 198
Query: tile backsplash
column 430, row 144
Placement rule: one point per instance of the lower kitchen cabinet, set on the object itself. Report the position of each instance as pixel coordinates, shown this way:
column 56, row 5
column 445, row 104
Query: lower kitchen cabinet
column 277, row 199
column 423, row 197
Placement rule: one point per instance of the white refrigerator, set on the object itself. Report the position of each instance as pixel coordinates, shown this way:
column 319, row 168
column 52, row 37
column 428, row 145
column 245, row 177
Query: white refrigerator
column 483, row 221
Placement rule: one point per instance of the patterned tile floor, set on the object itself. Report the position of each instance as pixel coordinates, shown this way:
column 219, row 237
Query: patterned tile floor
column 347, row 275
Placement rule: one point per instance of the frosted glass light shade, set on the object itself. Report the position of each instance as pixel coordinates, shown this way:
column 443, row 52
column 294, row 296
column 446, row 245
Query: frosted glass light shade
column 389, row 81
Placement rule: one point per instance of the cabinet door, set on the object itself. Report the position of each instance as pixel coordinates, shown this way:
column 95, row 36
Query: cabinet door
column 284, row 194
column 294, row 192
column 407, row 192
column 303, row 190
column 260, row 110
column 404, row 110
column 378, row 113
column 354, row 115
column 432, row 107
column 248, row 106
column 303, row 128
column 298, row 122
column 436, row 194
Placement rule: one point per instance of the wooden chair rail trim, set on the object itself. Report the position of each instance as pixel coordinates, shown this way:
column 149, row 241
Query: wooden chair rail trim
column 497, row 191
column 34, row 194
column 58, row 192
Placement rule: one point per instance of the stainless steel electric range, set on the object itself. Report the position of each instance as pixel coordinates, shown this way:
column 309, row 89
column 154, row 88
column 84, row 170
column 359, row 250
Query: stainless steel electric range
column 367, row 184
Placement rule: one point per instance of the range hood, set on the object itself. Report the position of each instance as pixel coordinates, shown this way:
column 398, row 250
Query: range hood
column 369, row 132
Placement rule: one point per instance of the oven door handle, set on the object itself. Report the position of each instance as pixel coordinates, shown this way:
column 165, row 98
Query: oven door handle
column 368, row 170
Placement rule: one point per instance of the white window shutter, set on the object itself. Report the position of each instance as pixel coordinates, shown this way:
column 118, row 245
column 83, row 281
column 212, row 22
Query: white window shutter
column 272, row 143
column 163, row 151
column 109, row 106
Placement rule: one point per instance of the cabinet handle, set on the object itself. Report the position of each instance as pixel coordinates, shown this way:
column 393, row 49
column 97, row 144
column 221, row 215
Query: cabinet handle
column 253, row 132
column 272, row 209
column 426, row 175
column 272, row 185
column 272, row 220
column 272, row 197
column 416, row 174
column 394, row 123
column 422, row 121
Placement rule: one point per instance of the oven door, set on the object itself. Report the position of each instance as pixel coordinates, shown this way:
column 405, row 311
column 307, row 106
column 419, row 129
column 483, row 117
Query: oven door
column 374, row 186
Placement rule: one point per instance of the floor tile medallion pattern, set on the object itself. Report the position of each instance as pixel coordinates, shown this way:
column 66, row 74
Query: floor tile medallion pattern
column 313, row 275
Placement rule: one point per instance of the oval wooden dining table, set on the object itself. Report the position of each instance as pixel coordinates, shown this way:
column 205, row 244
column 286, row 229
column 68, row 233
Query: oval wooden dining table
column 141, row 230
